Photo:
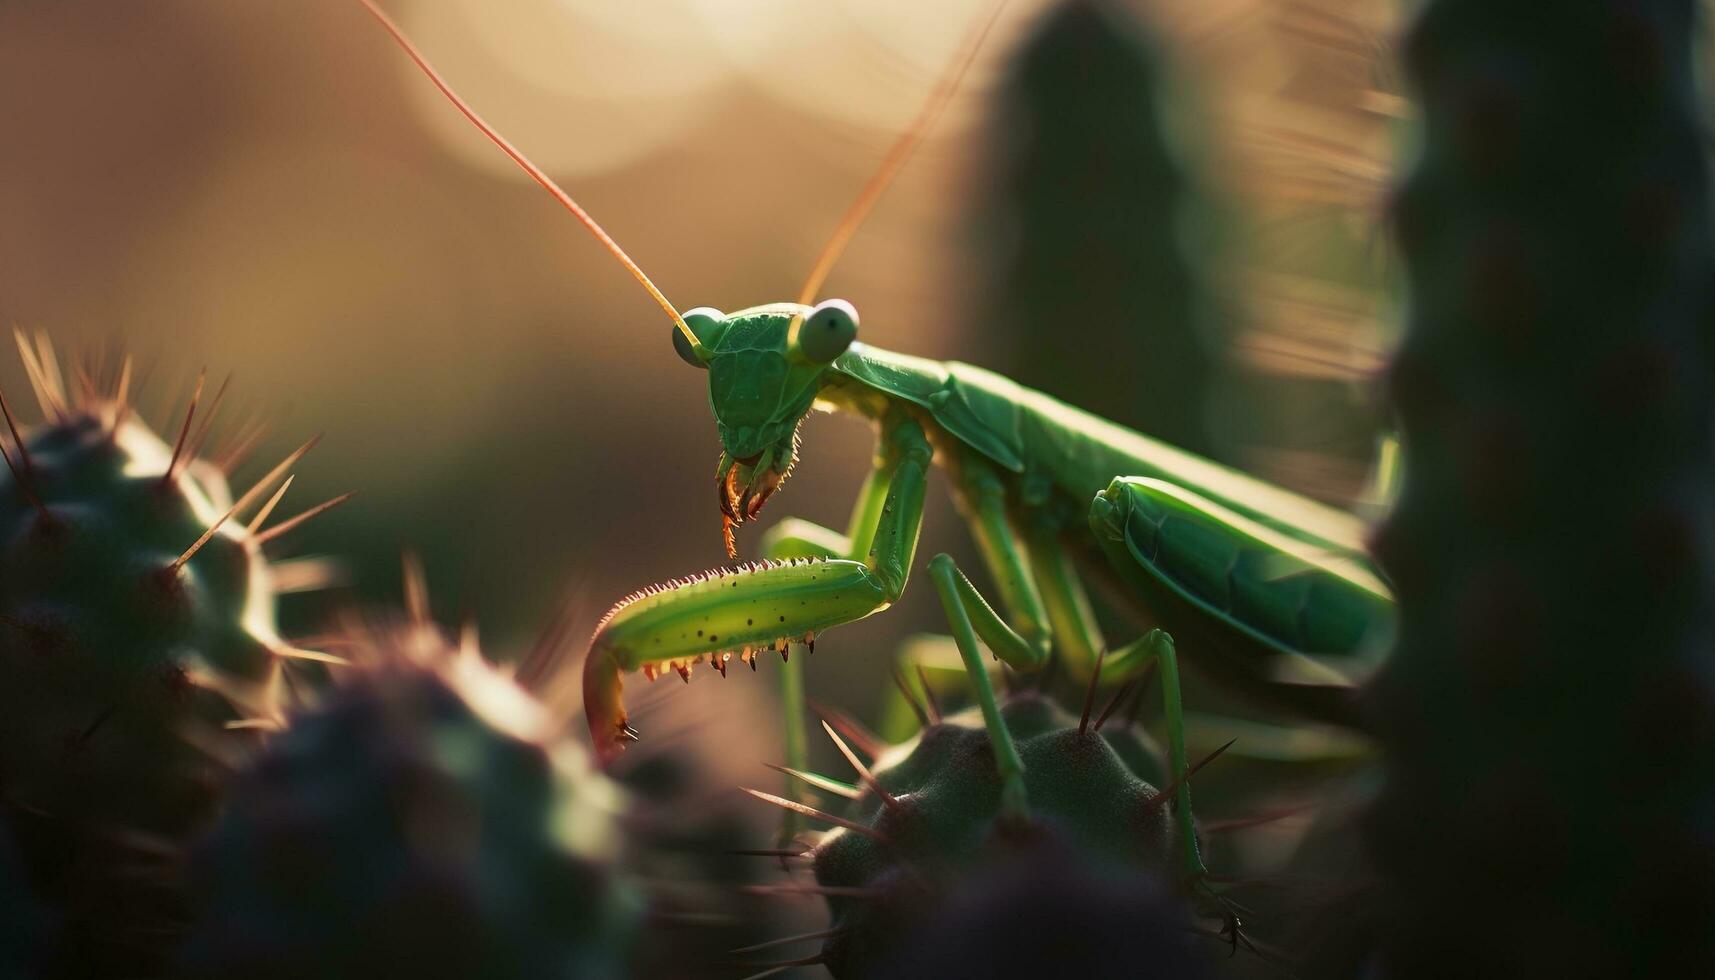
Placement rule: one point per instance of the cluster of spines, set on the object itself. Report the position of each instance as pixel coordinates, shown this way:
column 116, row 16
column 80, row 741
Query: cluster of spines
column 898, row 822
column 720, row 660
column 138, row 651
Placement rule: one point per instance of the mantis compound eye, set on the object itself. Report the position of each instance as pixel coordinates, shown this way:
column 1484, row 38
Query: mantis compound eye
column 702, row 322
column 828, row 330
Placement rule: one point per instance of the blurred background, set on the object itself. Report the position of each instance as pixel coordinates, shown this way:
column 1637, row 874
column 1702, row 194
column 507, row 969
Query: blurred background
column 1166, row 212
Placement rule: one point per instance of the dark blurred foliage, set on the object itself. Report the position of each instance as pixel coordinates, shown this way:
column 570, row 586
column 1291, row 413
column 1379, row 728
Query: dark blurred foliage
column 1549, row 710
column 1087, row 290
column 23, row 922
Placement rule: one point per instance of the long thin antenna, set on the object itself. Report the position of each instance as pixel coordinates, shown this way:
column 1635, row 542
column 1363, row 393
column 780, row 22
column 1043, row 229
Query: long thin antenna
column 891, row 164
column 536, row 173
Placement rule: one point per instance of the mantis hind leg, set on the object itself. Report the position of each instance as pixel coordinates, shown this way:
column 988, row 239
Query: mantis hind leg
column 1063, row 594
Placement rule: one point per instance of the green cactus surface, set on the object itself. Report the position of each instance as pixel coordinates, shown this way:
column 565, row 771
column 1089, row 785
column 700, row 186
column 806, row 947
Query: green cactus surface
column 1093, row 792
column 120, row 661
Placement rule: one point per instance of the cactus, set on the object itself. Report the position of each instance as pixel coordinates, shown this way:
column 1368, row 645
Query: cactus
column 427, row 820
column 137, row 641
column 931, row 819
column 1550, row 710
column 1083, row 229
column 136, row 619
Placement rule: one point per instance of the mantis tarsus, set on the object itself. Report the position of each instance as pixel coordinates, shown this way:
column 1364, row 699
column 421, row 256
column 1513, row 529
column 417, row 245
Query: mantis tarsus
column 1247, row 573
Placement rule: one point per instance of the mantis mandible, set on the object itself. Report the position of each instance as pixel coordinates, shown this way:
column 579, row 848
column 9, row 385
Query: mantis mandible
column 1250, row 574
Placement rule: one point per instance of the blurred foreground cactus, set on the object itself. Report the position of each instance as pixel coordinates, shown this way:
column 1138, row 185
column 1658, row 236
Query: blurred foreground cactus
column 1550, row 711
column 137, row 646
column 426, row 820
column 128, row 631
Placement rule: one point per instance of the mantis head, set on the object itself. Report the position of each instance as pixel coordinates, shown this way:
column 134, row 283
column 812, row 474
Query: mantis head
column 765, row 366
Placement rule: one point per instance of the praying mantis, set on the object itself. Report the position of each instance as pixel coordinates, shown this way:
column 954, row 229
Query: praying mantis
column 1250, row 576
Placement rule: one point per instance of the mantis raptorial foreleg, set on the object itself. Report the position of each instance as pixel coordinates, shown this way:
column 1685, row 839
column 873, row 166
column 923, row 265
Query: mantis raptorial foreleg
column 765, row 606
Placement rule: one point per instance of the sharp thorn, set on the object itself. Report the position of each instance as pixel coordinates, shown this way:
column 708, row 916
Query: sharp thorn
column 24, row 486
column 95, row 726
column 821, row 782
column 1090, row 692
column 910, row 698
column 185, row 429
column 201, row 438
column 929, row 701
column 1171, row 788
column 1255, row 820
column 17, row 440
column 786, row 941
column 772, row 852
column 416, row 589
column 268, row 508
column 38, row 378
column 288, row 525
column 313, row 656
column 810, row 811
column 867, row 742
column 862, row 770
column 249, row 498
column 1113, row 702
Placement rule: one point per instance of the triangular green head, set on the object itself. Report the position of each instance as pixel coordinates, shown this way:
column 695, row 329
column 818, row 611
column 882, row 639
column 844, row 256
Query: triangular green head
column 764, row 373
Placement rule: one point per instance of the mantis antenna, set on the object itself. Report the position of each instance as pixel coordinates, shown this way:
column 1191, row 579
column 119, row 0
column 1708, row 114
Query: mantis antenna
column 891, row 164
column 534, row 171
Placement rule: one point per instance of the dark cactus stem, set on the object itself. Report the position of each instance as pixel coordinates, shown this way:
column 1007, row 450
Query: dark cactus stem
column 1087, row 280
column 1550, row 711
